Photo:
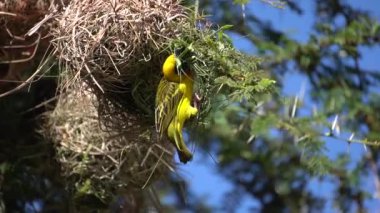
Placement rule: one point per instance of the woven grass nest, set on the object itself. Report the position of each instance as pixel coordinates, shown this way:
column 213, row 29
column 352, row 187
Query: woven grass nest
column 110, row 55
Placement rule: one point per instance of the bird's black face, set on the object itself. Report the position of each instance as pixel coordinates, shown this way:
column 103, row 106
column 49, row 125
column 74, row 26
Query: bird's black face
column 182, row 66
column 178, row 52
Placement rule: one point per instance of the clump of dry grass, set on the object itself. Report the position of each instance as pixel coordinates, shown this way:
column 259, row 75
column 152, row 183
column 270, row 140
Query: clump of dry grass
column 17, row 17
column 112, row 44
column 24, row 41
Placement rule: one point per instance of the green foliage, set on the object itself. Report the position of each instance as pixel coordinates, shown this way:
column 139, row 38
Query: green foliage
column 265, row 145
column 241, row 1
column 273, row 3
column 219, row 67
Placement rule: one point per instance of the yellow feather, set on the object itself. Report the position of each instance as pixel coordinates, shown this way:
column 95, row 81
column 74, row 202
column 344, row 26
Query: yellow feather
column 167, row 100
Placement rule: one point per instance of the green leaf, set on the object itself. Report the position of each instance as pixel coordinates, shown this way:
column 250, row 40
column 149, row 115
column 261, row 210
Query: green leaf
column 241, row 2
column 4, row 167
column 225, row 27
column 266, row 82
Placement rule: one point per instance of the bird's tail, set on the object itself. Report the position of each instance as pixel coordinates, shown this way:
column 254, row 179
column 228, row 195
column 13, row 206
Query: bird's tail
column 175, row 136
column 184, row 154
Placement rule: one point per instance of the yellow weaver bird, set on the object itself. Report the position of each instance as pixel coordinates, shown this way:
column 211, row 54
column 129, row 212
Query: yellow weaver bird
column 173, row 105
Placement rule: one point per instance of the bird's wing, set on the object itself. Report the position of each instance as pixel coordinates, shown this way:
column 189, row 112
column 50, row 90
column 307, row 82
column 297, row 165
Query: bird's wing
column 168, row 97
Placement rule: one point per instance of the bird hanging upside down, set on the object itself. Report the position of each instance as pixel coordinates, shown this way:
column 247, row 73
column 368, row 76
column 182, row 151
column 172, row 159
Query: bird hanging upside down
column 173, row 105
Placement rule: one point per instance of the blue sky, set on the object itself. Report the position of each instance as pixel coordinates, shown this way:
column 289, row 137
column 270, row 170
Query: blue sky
column 201, row 173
